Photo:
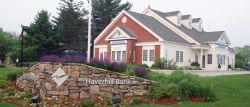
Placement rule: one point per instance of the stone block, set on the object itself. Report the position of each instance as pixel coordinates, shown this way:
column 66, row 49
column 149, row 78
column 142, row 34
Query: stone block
column 74, row 95
column 94, row 90
column 84, row 94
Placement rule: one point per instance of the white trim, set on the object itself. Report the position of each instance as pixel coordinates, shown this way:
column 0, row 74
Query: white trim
column 173, row 28
column 101, row 46
column 147, row 43
column 110, row 24
column 227, row 39
column 115, row 20
column 120, row 30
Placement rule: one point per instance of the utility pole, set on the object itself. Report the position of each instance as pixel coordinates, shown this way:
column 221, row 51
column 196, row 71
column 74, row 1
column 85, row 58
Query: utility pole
column 22, row 47
column 89, row 30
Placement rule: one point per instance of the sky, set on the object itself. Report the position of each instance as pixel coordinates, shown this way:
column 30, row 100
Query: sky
column 232, row 16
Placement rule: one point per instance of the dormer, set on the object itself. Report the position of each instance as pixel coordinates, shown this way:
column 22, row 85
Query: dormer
column 174, row 17
column 186, row 20
column 197, row 24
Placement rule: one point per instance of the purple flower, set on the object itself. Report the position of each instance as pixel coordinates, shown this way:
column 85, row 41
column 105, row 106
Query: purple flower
column 141, row 72
column 50, row 58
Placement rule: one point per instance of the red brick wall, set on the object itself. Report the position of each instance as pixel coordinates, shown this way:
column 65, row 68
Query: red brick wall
column 130, row 50
column 157, row 52
column 142, row 34
column 96, row 53
column 138, row 54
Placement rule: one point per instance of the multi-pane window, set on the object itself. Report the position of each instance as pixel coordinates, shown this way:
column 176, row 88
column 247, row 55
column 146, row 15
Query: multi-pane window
column 124, row 56
column 224, row 59
column 221, row 59
column 113, row 56
column 103, row 56
column 152, row 55
column 179, row 56
column 145, row 55
column 119, row 56
column 209, row 59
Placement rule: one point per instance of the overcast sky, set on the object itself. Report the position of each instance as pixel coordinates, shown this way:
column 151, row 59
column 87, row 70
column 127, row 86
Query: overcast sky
column 232, row 16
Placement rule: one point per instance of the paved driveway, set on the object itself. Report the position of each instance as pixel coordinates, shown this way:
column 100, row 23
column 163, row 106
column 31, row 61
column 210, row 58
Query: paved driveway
column 206, row 73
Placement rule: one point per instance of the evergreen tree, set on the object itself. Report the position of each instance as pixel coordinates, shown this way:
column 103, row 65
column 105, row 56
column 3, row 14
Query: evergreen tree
column 104, row 11
column 40, row 35
column 70, row 25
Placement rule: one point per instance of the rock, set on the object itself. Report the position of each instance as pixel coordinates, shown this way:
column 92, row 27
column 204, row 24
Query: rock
column 107, row 89
column 106, row 94
column 48, row 86
column 56, row 93
column 84, row 94
column 115, row 90
column 75, row 74
column 74, row 95
column 128, row 94
column 123, row 87
column 94, row 90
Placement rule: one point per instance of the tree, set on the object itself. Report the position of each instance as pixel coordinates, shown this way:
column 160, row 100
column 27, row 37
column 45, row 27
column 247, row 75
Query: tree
column 40, row 35
column 106, row 10
column 242, row 56
column 70, row 25
column 7, row 40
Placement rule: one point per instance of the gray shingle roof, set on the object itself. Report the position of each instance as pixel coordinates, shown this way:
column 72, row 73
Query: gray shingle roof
column 162, row 31
column 196, row 20
column 129, row 32
column 183, row 17
column 174, row 13
column 201, row 37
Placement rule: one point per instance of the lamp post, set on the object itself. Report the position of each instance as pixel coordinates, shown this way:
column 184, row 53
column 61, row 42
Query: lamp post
column 21, row 61
column 89, row 30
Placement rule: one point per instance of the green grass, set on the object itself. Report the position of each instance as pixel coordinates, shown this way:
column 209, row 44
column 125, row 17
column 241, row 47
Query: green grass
column 5, row 71
column 232, row 91
column 8, row 105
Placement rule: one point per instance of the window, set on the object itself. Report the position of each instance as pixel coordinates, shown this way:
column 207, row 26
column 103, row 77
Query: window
column 113, row 56
column 179, row 56
column 145, row 55
column 124, row 56
column 152, row 55
column 224, row 59
column 103, row 56
column 190, row 24
column 209, row 59
column 118, row 56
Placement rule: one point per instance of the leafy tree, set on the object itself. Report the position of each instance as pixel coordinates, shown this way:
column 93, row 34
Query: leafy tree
column 242, row 56
column 6, row 42
column 105, row 11
column 40, row 35
column 70, row 25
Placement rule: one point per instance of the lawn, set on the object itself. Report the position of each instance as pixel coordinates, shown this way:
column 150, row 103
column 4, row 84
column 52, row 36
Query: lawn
column 5, row 71
column 232, row 91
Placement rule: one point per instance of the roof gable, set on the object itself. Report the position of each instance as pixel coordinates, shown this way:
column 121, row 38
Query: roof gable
column 120, row 33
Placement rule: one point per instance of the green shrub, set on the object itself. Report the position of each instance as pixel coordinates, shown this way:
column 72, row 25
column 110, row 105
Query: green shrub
column 180, row 86
column 27, row 95
column 196, row 64
column 88, row 103
column 160, row 63
column 110, row 102
column 4, row 83
column 2, row 66
column 12, row 76
column 137, row 100
column 10, row 92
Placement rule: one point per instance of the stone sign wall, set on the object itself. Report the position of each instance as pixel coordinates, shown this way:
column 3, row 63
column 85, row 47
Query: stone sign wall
column 82, row 81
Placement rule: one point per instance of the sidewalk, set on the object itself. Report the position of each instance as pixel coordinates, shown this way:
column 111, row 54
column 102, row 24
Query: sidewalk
column 205, row 73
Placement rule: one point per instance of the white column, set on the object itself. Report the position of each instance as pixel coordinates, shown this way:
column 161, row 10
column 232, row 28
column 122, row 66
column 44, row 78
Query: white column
column 89, row 30
column 201, row 54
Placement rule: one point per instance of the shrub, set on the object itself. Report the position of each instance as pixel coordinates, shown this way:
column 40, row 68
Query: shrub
column 10, row 92
column 160, row 64
column 12, row 76
column 141, row 72
column 144, row 65
column 26, row 95
column 2, row 66
column 180, row 86
column 196, row 64
column 4, row 84
column 88, row 103
column 119, row 66
column 219, row 66
column 137, row 100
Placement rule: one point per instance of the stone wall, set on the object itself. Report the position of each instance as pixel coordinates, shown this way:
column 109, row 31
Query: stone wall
column 75, row 86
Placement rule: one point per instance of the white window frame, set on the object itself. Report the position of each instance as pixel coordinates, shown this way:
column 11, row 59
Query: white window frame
column 179, row 55
column 148, row 60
